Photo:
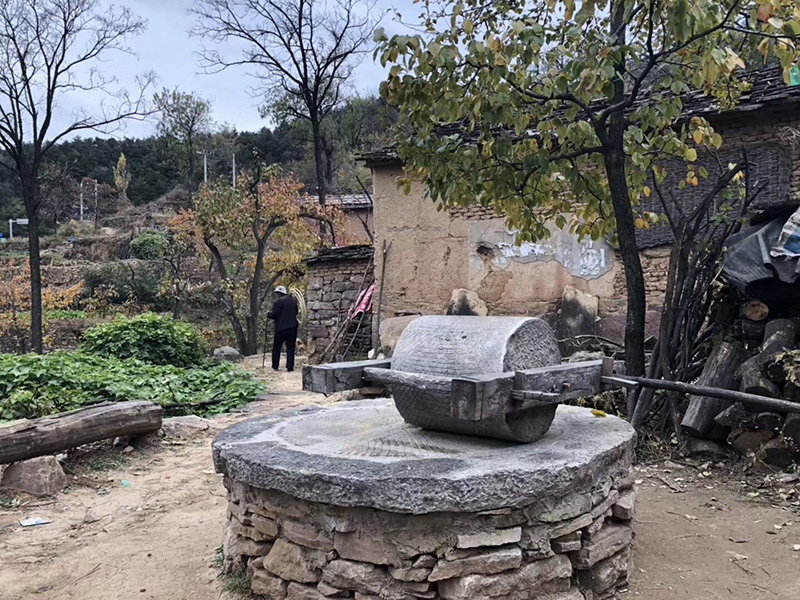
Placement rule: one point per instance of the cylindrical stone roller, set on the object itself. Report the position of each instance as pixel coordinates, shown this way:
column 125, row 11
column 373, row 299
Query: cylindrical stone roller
column 461, row 346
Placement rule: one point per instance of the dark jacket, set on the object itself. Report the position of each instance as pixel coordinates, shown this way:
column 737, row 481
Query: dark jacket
column 284, row 313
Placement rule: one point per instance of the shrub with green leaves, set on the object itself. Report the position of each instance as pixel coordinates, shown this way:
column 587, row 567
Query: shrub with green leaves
column 148, row 245
column 130, row 282
column 33, row 385
column 151, row 338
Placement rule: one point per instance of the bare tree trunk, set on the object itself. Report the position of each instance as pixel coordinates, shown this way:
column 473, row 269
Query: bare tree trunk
column 319, row 161
column 31, row 209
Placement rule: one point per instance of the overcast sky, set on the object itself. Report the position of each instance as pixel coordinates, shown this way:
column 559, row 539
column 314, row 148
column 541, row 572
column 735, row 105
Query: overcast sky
column 167, row 49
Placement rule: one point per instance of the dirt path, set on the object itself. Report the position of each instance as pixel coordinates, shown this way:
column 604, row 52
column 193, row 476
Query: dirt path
column 157, row 534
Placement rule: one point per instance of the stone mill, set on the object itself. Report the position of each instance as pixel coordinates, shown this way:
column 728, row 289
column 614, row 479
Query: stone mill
column 473, row 482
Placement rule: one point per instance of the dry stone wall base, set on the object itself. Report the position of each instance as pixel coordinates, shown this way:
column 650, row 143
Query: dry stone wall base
column 575, row 547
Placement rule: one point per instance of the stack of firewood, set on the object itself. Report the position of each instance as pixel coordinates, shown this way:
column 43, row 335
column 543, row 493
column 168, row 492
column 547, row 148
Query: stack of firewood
column 770, row 368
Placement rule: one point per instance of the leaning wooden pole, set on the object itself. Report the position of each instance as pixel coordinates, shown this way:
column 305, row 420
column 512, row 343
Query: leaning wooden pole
column 750, row 400
column 20, row 440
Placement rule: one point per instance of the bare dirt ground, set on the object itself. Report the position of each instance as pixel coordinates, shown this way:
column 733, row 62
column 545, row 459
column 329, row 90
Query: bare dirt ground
column 156, row 535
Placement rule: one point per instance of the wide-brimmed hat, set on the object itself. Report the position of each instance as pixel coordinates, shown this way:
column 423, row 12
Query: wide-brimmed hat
column 281, row 290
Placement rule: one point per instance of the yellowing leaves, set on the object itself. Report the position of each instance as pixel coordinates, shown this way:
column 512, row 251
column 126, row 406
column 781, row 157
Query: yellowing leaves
column 647, row 191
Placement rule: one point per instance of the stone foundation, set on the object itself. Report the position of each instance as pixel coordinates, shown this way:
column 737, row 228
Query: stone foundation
column 350, row 502
column 571, row 548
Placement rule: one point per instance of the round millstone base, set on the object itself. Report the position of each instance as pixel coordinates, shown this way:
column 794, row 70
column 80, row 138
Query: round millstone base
column 350, row 502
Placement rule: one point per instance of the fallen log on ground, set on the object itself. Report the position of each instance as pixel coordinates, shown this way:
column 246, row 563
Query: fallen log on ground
column 718, row 372
column 29, row 438
column 749, row 400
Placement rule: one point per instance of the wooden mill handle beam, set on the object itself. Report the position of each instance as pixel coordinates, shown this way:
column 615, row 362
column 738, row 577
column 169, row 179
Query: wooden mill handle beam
column 750, row 400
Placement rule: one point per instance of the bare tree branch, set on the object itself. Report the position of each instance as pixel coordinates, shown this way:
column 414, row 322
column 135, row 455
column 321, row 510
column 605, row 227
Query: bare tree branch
column 301, row 51
column 48, row 49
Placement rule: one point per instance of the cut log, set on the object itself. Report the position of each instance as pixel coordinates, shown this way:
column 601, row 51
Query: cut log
column 791, row 431
column 735, row 416
column 779, row 336
column 752, row 381
column 773, row 369
column 768, row 421
column 24, row 439
column 746, row 441
column 751, row 331
column 778, row 454
column 791, row 391
column 718, row 372
column 754, row 310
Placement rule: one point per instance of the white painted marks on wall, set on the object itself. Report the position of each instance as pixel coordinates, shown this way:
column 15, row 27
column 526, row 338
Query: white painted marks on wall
column 587, row 259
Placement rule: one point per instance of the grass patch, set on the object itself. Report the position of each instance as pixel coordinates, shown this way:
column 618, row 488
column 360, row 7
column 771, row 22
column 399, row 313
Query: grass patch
column 239, row 584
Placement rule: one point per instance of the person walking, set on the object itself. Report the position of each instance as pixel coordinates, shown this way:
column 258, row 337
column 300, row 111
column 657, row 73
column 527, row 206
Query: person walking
column 284, row 313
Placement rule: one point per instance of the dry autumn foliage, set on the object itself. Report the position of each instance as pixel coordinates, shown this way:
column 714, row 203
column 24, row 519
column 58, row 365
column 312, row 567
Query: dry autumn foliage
column 256, row 236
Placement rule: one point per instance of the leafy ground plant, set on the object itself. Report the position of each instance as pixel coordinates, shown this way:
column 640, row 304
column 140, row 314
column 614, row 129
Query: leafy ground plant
column 155, row 339
column 36, row 385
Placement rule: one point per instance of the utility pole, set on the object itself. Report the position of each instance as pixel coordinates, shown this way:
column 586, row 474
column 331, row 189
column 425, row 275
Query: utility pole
column 234, row 170
column 95, row 204
column 205, row 165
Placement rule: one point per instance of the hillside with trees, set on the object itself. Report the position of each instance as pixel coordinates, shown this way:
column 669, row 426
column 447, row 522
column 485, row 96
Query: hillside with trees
column 157, row 164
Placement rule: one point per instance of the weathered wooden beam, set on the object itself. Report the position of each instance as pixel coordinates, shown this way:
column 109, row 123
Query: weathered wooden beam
column 524, row 399
column 571, row 380
column 749, row 400
column 481, row 397
column 386, row 376
column 20, row 440
column 339, row 377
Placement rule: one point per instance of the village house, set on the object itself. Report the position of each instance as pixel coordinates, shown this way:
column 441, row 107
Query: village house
column 431, row 252
column 357, row 215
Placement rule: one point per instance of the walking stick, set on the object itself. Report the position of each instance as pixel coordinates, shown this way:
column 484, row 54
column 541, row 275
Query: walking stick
column 266, row 340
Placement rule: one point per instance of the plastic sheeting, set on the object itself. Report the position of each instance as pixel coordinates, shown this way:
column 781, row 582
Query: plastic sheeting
column 760, row 262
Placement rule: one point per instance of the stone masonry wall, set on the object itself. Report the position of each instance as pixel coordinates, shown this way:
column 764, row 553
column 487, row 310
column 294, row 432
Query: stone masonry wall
column 332, row 289
column 576, row 547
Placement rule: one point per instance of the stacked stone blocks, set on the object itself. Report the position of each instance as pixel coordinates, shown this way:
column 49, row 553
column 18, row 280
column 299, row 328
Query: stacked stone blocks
column 333, row 287
column 574, row 547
